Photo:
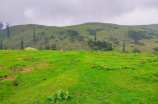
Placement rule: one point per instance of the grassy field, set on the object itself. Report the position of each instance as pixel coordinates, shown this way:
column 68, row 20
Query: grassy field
column 91, row 77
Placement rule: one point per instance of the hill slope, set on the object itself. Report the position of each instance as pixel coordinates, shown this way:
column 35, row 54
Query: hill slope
column 82, row 37
column 151, row 27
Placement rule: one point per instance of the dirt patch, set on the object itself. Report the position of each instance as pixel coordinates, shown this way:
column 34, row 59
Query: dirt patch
column 30, row 48
column 19, row 58
column 31, row 60
column 15, row 84
column 15, row 70
column 43, row 64
column 3, row 67
column 7, row 78
column 72, row 64
column 37, row 60
column 75, row 59
column 27, row 69
column 7, row 53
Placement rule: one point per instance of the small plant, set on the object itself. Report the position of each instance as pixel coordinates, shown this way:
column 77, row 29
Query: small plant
column 59, row 95
column 102, row 66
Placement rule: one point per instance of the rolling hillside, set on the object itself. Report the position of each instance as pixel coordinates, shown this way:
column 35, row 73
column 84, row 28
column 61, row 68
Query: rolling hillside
column 151, row 27
column 82, row 37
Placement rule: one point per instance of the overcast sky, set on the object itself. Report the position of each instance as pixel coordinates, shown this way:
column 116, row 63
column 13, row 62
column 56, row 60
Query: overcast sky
column 72, row 12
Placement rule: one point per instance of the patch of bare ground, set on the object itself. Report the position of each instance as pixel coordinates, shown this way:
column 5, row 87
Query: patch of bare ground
column 7, row 53
column 37, row 60
column 15, row 83
column 15, row 70
column 30, row 48
column 27, row 69
column 19, row 58
column 71, row 63
column 31, row 60
column 43, row 64
column 75, row 59
column 7, row 78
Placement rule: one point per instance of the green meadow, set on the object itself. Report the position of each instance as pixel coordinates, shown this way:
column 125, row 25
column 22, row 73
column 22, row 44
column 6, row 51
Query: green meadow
column 90, row 77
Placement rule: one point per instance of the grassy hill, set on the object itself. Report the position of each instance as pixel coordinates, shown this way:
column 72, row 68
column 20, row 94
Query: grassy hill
column 91, row 77
column 82, row 37
column 151, row 27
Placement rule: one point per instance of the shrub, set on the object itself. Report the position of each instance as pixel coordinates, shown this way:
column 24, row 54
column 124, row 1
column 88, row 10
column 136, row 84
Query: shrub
column 155, row 49
column 136, row 51
column 59, row 95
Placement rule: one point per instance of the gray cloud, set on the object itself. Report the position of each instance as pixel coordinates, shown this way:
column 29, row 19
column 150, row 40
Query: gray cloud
column 71, row 12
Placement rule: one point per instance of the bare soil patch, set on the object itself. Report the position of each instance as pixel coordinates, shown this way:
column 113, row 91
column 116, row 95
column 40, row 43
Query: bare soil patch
column 27, row 52
column 30, row 48
column 15, row 84
column 37, row 60
column 15, row 70
column 27, row 69
column 43, row 64
column 7, row 78
column 75, row 59
column 31, row 60
column 7, row 53
column 71, row 63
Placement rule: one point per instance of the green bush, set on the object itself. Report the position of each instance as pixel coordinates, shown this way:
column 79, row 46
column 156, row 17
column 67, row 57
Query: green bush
column 59, row 95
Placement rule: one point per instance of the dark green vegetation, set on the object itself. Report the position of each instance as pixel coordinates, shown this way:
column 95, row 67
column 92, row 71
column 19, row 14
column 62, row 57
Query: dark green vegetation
column 58, row 96
column 91, row 77
column 88, row 36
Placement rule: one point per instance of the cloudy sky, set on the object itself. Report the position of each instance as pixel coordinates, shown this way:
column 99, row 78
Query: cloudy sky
column 72, row 12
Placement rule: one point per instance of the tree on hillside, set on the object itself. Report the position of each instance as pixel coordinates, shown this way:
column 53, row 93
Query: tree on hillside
column 1, row 45
column 46, row 47
column 95, row 37
column 124, row 47
column 12, row 48
column 40, row 48
column 110, row 48
column 22, row 43
column 8, row 30
column 1, row 26
column 124, row 44
column 54, row 47
column 34, row 35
